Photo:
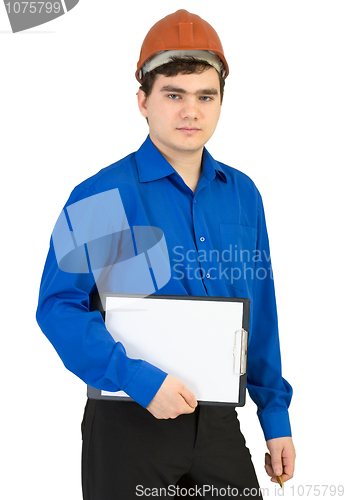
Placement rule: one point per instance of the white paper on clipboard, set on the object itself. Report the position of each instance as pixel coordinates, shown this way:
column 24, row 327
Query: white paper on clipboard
column 193, row 340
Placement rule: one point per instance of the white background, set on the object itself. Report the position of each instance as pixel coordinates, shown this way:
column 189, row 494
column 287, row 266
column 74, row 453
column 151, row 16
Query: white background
column 68, row 109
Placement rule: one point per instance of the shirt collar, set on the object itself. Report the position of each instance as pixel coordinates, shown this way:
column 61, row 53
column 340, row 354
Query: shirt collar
column 212, row 167
column 153, row 166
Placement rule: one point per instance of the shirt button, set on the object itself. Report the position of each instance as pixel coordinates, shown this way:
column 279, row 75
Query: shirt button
column 202, row 238
column 207, row 275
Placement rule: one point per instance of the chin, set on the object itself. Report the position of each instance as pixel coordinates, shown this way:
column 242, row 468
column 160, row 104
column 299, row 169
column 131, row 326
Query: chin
column 190, row 142
column 189, row 147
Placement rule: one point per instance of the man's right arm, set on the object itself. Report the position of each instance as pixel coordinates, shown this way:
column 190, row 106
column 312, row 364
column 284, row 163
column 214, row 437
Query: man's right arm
column 87, row 348
column 80, row 336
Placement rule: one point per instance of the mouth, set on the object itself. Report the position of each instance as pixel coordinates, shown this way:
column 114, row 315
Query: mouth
column 189, row 130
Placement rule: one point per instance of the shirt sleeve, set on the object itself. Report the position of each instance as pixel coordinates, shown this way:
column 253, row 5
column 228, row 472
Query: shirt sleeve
column 267, row 388
column 80, row 336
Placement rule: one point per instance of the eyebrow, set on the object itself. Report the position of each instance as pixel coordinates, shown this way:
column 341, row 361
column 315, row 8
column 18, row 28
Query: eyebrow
column 178, row 90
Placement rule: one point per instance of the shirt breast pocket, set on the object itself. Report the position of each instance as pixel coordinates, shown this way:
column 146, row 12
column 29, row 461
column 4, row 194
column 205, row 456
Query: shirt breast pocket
column 238, row 245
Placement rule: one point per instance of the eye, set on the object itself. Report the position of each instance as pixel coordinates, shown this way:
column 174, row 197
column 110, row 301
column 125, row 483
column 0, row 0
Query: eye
column 174, row 97
column 206, row 98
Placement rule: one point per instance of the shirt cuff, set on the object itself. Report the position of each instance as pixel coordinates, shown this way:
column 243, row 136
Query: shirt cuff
column 275, row 424
column 145, row 383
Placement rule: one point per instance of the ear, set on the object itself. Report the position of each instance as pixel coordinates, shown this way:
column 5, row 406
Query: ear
column 142, row 103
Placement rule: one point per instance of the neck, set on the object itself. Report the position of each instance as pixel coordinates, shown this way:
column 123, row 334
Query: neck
column 188, row 164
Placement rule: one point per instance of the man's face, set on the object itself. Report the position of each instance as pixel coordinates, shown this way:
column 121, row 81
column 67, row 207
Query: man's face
column 182, row 111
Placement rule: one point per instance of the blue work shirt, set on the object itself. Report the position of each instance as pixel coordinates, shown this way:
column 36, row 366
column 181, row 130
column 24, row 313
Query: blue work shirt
column 218, row 246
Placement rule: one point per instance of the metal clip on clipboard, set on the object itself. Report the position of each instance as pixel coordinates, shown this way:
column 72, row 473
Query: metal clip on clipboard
column 240, row 352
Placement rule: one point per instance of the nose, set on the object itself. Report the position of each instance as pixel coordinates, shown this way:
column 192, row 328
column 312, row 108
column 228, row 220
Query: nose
column 189, row 109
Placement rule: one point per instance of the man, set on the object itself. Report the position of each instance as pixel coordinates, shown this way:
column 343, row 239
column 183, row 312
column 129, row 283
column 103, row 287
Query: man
column 163, row 440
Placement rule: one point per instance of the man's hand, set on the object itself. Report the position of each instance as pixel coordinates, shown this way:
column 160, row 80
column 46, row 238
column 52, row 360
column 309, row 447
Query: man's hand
column 172, row 399
column 281, row 460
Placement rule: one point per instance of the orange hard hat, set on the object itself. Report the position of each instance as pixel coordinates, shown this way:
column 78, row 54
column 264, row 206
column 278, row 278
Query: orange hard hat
column 181, row 34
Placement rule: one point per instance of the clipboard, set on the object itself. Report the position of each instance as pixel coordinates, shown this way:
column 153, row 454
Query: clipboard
column 201, row 340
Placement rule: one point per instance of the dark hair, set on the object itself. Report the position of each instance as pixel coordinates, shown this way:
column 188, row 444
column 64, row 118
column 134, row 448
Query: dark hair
column 178, row 65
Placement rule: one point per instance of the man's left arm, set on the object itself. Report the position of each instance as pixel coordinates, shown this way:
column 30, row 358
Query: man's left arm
column 267, row 388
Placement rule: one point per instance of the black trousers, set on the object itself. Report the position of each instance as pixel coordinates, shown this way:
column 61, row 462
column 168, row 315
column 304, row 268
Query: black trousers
column 128, row 454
